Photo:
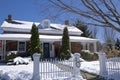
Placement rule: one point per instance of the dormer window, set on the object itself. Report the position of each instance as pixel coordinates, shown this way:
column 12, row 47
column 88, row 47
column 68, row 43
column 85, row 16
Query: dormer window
column 45, row 23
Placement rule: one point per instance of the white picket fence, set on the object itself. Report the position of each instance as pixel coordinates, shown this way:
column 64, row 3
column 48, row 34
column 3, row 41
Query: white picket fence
column 113, row 68
column 109, row 68
column 56, row 69
column 50, row 69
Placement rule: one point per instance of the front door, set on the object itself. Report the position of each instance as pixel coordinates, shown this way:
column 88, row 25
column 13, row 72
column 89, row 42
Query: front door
column 46, row 50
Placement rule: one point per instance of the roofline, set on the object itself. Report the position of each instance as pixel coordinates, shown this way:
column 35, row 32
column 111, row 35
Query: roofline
column 45, row 38
column 40, row 31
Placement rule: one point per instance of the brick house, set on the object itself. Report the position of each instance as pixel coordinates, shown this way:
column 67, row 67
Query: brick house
column 16, row 36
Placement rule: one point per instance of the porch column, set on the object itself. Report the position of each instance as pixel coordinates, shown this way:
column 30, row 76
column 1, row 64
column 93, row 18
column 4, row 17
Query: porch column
column 84, row 45
column 95, row 49
column 70, row 46
column 4, row 49
column 88, row 48
column 53, row 50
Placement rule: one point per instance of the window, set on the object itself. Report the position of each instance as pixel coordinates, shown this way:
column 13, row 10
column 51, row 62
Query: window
column 22, row 46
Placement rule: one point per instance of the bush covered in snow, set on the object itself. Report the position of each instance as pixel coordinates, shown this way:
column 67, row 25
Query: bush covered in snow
column 20, row 60
column 11, row 55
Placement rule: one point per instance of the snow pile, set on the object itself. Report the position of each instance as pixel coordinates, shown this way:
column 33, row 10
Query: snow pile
column 14, row 75
column 16, row 72
column 20, row 60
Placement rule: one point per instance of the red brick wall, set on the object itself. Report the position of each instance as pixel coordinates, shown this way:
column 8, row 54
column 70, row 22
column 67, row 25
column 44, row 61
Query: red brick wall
column 11, row 45
column 57, row 48
column 76, row 47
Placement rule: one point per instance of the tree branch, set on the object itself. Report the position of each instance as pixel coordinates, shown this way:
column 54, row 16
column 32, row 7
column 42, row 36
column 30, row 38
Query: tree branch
column 105, row 13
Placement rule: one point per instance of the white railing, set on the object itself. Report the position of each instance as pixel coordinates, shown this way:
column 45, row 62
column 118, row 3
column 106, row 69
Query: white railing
column 109, row 68
column 56, row 69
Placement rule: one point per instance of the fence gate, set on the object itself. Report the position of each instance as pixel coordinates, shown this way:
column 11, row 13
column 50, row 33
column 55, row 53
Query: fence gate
column 56, row 69
column 49, row 70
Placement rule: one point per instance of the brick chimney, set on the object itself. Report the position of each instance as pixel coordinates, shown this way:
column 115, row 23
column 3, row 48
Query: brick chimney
column 66, row 22
column 9, row 18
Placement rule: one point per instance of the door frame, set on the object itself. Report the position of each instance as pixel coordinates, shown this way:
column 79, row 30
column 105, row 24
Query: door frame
column 48, row 54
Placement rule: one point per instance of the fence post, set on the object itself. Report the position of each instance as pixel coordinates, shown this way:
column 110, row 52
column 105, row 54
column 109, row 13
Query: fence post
column 36, row 58
column 102, row 61
column 76, row 66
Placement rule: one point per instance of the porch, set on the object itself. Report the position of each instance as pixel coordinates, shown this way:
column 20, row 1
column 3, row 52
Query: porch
column 50, row 44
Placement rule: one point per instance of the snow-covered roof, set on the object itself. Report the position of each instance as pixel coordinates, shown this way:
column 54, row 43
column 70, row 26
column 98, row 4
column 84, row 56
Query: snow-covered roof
column 44, row 38
column 25, row 26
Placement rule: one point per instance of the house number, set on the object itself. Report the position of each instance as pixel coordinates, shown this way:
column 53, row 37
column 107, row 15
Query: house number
column 77, row 63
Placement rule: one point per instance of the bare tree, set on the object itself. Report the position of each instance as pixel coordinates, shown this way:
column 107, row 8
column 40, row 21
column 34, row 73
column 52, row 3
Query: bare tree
column 94, row 32
column 109, row 37
column 104, row 13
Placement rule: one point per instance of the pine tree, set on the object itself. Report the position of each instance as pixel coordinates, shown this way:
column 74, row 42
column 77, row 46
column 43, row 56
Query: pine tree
column 65, row 48
column 84, row 28
column 35, row 46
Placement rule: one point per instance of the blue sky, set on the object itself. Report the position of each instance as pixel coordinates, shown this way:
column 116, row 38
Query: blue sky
column 20, row 10
column 33, row 10
column 28, row 10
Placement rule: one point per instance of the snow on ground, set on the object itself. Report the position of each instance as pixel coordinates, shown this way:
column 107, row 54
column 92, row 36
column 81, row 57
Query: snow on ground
column 91, row 67
column 25, row 72
column 16, row 72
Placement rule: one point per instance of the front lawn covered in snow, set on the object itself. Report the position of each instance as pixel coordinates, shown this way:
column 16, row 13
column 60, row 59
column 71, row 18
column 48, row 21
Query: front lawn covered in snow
column 25, row 72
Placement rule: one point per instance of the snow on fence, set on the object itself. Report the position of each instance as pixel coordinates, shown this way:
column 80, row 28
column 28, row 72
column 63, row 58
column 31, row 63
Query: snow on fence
column 109, row 68
column 56, row 69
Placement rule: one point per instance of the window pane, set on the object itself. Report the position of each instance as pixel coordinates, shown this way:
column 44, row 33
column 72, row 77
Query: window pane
column 21, row 46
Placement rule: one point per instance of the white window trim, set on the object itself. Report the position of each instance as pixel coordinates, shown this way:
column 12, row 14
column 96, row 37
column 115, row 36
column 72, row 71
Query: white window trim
column 24, row 47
